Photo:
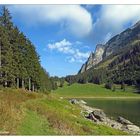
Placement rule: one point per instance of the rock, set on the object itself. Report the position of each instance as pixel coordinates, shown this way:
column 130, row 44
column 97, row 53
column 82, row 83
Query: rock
column 91, row 117
column 100, row 118
column 124, row 121
column 87, row 108
column 116, row 125
column 133, row 128
column 94, row 58
column 82, row 102
column 73, row 101
column 100, row 115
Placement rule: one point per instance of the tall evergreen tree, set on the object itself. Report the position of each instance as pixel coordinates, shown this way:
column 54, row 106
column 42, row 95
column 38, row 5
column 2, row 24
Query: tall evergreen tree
column 19, row 63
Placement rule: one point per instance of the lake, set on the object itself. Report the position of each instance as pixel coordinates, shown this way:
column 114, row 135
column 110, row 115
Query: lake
column 129, row 109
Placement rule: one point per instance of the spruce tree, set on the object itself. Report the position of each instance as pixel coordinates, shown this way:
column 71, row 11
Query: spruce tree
column 19, row 63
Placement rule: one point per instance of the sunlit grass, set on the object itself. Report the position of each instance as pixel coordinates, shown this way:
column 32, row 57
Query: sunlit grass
column 93, row 90
column 26, row 113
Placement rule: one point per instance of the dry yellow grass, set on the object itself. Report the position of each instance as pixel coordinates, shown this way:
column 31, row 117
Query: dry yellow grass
column 26, row 113
column 11, row 111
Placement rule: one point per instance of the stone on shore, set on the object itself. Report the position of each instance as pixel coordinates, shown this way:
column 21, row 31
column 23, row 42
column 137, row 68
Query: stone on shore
column 91, row 117
column 133, row 128
column 124, row 121
column 73, row 101
column 82, row 102
column 100, row 115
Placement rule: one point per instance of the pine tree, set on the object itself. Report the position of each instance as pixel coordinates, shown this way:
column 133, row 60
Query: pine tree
column 19, row 63
column 5, row 19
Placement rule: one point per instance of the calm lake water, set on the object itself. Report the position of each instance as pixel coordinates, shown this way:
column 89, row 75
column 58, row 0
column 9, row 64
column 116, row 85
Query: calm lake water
column 129, row 109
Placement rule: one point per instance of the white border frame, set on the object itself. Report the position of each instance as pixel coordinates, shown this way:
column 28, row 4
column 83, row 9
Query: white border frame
column 69, row 1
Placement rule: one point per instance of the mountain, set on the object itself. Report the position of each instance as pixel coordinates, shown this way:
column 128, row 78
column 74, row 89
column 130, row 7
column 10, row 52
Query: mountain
column 117, row 61
column 120, row 41
column 115, row 45
column 93, row 59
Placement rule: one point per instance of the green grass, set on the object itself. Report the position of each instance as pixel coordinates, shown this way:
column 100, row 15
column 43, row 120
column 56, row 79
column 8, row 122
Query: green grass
column 26, row 113
column 34, row 124
column 93, row 90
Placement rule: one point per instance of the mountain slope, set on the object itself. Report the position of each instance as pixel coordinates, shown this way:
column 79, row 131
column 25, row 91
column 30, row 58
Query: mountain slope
column 115, row 45
column 120, row 61
column 93, row 59
column 120, row 41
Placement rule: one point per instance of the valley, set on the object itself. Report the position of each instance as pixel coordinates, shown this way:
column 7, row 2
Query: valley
column 95, row 91
column 88, row 102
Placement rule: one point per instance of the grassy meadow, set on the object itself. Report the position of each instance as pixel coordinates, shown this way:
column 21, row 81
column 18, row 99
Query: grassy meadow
column 95, row 91
column 26, row 113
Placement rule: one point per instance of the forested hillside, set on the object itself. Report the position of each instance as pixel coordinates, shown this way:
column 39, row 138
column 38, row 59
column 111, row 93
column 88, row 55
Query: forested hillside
column 19, row 63
column 120, row 66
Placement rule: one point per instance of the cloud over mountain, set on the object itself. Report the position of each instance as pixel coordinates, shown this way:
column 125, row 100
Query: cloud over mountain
column 67, row 47
column 112, row 19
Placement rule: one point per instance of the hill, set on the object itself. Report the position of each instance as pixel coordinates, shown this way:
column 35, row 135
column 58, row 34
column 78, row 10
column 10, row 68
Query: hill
column 95, row 91
column 27, row 113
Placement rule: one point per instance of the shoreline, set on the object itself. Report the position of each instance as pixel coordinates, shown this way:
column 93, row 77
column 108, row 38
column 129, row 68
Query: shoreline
column 98, row 116
column 99, row 97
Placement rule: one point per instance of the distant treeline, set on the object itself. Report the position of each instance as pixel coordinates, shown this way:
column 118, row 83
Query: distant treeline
column 19, row 63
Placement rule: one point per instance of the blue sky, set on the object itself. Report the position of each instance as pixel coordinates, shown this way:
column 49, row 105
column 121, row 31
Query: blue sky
column 64, row 35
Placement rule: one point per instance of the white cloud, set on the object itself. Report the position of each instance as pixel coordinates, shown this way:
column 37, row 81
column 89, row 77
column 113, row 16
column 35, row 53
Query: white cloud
column 62, row 46
column 113, row 19
column 67, row 47
column 118, row 15
column 73, row 18
column 79, row 54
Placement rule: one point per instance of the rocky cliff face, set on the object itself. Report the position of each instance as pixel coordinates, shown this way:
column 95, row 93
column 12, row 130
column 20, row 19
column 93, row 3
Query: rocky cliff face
column 98, row 54
column 120, row 41
column 93, row 59
column 116, row 44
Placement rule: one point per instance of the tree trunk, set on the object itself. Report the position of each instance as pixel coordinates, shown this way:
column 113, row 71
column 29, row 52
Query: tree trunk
column 29, row 84
column 33, row 88
column 22, row 84
column 17, row 82
column 5, row 83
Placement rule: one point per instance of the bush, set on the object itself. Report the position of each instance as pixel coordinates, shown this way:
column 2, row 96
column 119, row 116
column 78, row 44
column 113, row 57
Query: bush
column 108, row 85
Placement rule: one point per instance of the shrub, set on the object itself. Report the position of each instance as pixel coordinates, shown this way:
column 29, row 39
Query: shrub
column 108, row 85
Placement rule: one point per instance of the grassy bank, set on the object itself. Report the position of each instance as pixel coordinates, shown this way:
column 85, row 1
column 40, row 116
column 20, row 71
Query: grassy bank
column 95, row 91
column 26, row 113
